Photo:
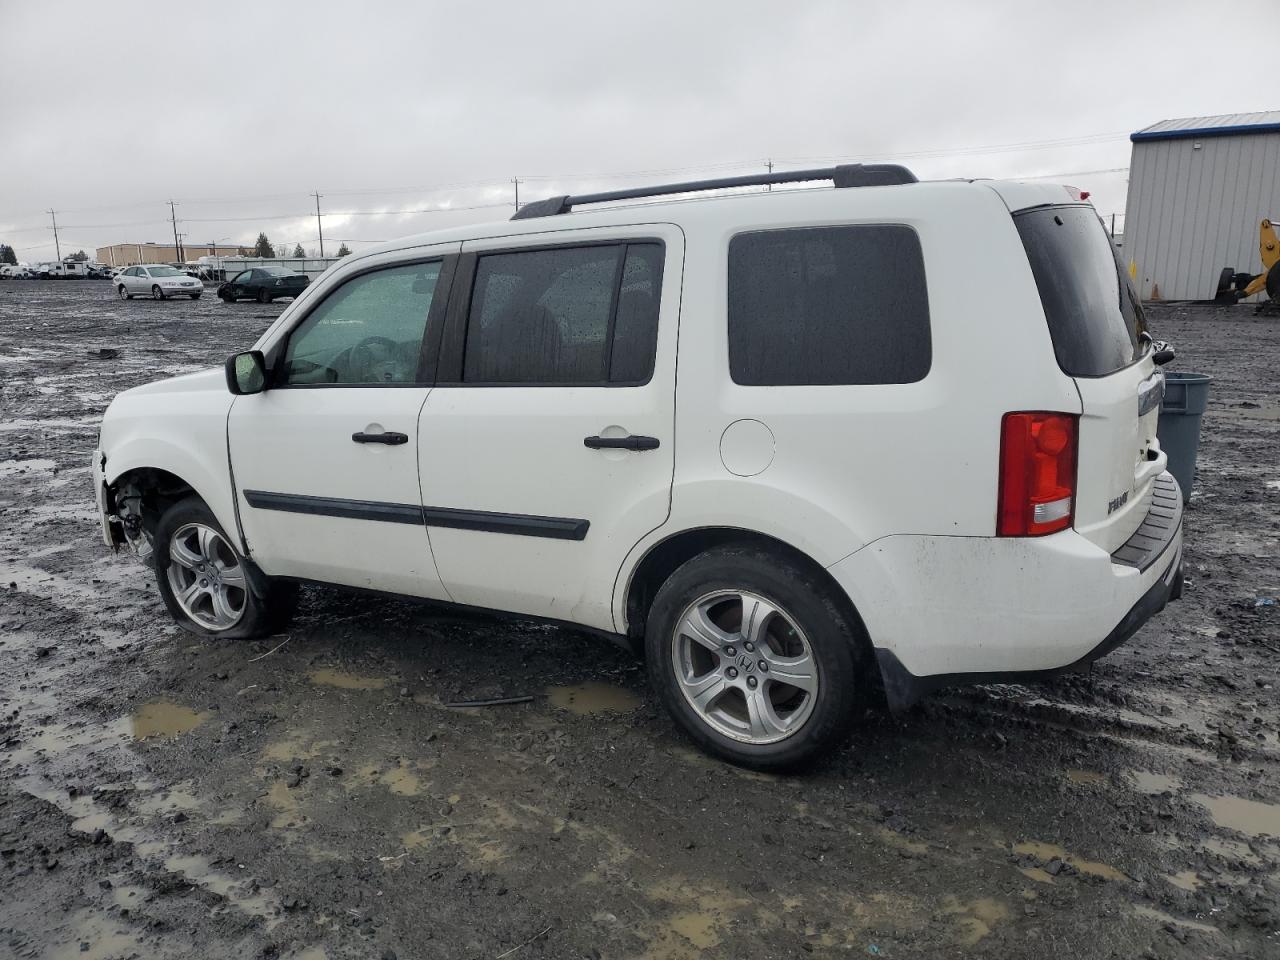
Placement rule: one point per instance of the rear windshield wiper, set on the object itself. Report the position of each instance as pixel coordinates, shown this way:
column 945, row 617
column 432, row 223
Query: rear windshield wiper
column 1161, row 350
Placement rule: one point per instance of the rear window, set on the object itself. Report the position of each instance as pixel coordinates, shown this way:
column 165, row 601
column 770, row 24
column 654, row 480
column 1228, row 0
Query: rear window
column 1094, row 316
column 828, row 305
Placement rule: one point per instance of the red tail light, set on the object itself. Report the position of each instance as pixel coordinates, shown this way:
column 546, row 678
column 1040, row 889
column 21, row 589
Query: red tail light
column 1037, row 473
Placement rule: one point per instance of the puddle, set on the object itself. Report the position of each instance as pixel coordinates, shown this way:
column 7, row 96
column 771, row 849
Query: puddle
column 95, row 936
column 1185, row 880
column 1230, row 850
column 593, row 697
column 41, row 583
column 234, row 890
column 283, row 800
column 417, row 839
column 1265, row 413
column 897, row 840
column 1153, row 783
column 85, row 811
column 1049, row 851
column 975, row 918
column 1236, row 813
column 1086, row 778
column 162, row 801
column 16, row 468
column 164, row 719
column 296, row 747
column 129, row 897
column 697, row 927
column 1038, row 874
column 1161, row 917
column 331, row 677
column 402, row 779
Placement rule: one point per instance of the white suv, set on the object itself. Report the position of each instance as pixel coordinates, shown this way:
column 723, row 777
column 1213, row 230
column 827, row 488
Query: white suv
column 808, row 448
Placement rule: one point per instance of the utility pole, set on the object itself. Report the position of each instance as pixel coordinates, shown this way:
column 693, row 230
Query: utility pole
column 177, row 247
column 769, row 186
column 1113, row 224
column 516, row 181
column 319, row 224
column 56, row 247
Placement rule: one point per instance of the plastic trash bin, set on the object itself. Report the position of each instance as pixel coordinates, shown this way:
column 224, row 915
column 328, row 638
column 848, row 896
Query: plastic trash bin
column 1185, row 396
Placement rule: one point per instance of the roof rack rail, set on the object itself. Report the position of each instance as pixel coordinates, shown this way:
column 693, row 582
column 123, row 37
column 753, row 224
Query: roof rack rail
column 845, row 175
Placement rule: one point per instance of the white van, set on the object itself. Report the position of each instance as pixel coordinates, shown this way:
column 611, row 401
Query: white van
column 806, row 449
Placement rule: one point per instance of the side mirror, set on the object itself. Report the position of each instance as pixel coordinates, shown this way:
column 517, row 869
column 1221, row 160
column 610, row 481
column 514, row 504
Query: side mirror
column 247, row 373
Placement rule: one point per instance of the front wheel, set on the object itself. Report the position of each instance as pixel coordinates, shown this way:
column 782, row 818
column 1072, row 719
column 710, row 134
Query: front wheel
column 157, row 293
column 759, row 664
column 205, row 582
column 123, row 293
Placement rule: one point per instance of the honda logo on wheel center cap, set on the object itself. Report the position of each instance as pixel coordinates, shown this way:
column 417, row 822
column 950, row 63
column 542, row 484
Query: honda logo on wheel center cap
column 746, row 663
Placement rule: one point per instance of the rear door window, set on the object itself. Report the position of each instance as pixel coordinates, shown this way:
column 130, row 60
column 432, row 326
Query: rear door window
column 564, row 316
column 1094, row 316
column 828, row 305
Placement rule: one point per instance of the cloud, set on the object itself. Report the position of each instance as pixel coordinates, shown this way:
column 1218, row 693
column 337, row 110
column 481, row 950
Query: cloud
column 106, row 117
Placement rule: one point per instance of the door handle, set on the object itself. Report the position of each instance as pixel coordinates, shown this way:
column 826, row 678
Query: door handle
column 390, row 439
column 621, row 443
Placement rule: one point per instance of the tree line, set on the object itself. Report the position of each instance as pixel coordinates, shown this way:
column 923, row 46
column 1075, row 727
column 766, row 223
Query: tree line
column 265, row 248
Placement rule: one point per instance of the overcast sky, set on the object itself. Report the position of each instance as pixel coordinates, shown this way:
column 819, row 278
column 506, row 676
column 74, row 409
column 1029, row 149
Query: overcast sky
column 240, row 110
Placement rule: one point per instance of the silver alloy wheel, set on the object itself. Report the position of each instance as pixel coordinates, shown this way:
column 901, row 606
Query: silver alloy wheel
column 745, row 666
column 124, row 294
column 206, row 577
column 157, row 293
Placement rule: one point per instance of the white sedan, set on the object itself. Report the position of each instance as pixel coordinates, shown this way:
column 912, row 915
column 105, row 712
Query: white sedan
column 159, row 281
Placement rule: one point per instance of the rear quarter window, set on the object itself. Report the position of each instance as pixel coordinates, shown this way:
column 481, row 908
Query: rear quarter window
column 1093, row 313
column 828, row 305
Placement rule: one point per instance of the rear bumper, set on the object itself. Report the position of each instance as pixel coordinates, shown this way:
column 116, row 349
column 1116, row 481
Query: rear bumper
column 947, row 610
column 902, row 688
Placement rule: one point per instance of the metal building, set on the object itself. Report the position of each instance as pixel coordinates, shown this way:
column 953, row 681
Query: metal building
column 1198, row 188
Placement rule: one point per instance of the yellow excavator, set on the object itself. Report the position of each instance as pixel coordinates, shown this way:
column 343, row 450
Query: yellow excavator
column 1233, row 287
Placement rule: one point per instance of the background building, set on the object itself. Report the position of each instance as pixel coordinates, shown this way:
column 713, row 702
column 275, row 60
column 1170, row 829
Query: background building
column 1198, row 188
column 129, row 254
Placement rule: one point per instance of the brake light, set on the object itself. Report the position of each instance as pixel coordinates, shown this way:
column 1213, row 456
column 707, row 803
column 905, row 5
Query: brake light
column 1037, row 473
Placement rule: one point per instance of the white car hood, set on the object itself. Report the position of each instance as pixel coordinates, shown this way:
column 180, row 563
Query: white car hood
column 203, row 381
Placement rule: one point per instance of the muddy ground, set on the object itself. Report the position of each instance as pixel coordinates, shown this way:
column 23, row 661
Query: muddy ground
column 166, row 796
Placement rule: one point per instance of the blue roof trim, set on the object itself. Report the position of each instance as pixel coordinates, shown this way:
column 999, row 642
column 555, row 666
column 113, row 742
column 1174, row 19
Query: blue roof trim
column 1202, row 132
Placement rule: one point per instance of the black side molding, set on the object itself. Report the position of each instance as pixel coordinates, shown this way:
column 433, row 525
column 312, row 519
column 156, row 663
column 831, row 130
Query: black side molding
column 335, row 507
column 520, row 524
column 515, row 524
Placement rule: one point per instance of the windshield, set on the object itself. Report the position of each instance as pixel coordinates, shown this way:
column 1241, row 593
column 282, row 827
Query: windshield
column 164, row 272
column 1094, row 316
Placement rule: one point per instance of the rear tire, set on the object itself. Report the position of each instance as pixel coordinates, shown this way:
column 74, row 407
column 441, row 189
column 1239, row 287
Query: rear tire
column 775, row 696
column 206, row 584
column 264, row 297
